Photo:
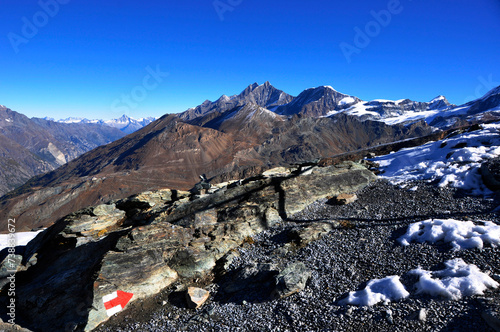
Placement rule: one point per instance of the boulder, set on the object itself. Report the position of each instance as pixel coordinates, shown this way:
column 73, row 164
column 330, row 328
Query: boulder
column 292, row 280
column 321, row 182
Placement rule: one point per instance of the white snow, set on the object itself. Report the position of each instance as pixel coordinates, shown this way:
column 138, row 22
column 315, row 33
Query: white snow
column 449, row 165
column 378, row 290
column 16, row 239
column 409, row 116
column 386, row 101
column 8, row 120
column 438, row 98
column 460, row 234
column 347, row 100
column 329, row 87
column 457, row 280
column 361, row 109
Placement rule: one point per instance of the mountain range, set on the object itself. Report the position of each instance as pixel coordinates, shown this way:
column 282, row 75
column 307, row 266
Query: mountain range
column 232, row 138
column 124, row 123
column 29, row 147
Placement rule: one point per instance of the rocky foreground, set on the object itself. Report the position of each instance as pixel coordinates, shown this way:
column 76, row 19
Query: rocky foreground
column 360, row 246
column 278, row 252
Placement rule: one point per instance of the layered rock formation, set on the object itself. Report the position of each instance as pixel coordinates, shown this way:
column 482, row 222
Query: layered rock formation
column 144, row 243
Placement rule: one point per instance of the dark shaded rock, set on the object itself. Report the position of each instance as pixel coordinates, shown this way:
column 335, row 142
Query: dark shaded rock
column 292, row 279
column 252, row 283
column 490, row 172
column 492, row 319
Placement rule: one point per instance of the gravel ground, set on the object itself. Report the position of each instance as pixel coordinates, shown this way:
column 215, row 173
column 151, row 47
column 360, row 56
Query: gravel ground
column 364, row 247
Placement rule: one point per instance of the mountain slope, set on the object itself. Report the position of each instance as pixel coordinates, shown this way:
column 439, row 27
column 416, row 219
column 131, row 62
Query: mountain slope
column 33, row 146
column 230, row 139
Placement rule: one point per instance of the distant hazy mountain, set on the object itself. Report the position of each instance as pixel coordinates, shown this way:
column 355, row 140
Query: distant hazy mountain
column 233, row 137
column 29, row 147
column 125, row 123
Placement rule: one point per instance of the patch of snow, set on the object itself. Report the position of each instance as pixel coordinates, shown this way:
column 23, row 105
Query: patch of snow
column 451, row 164
column 438, row 98
column 347, row 100
column 361, row 109
column 8, row 120
column 329, row 87
column 461, row 234
column 72, row 120
column 457, row 280
column 384, row 101
column 410, row 116
column 16, row 239
column 378, row 290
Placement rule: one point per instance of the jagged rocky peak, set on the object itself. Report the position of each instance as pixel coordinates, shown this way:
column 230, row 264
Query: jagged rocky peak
column 317, row 102
column 440, row 103
column 264, row 95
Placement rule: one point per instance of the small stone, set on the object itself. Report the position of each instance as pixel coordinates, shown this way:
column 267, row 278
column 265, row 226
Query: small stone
column 164, row 303
column 196, row 297
column 273, row 218
column 344, row 199
column 388, row 315
column 422, row 315
column 292, row 279
column 180, row 288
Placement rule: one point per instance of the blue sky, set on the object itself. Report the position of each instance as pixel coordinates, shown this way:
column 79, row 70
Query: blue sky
column 94, row 58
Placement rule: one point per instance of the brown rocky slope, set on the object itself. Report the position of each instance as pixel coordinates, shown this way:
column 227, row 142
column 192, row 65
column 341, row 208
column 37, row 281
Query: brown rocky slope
column 170, row 153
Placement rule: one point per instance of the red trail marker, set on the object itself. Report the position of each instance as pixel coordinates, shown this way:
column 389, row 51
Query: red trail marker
column 116, row 301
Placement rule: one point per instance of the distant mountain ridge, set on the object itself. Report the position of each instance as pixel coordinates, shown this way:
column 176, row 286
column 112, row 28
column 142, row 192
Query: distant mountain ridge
column 323, row 101
column 29, row 147
column 124, row 123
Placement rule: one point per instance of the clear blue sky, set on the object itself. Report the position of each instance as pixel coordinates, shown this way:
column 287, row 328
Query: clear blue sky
column 86, row 56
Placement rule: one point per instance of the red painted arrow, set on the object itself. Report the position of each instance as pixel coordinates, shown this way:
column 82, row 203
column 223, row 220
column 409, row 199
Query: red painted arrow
column 122, row 299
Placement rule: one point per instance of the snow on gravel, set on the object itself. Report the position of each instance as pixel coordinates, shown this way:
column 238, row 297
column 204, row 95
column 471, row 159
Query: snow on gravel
column 454, row 161
column 457, row 280
column 378, row 290
column 460, row 234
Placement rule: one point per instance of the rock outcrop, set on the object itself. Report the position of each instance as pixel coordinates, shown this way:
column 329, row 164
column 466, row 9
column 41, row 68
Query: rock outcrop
column 144, row 243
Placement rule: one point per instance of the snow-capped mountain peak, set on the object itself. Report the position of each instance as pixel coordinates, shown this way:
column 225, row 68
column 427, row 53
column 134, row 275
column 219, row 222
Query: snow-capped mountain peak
column 124, row 123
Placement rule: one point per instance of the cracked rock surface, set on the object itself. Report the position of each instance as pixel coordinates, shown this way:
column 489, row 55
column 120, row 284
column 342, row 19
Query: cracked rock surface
column 360, row 246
